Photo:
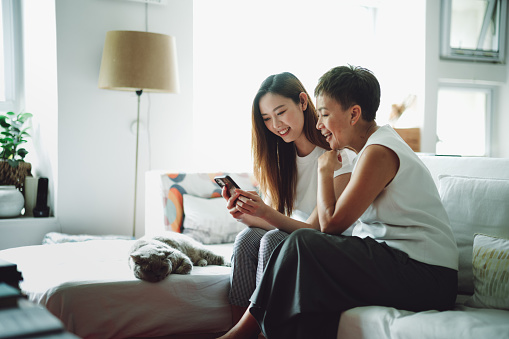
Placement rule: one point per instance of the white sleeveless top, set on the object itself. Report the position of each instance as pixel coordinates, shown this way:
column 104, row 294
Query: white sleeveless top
column 408, row 214
column 307, row 181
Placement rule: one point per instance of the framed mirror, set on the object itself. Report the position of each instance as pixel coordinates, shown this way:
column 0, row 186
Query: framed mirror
column 473, row 30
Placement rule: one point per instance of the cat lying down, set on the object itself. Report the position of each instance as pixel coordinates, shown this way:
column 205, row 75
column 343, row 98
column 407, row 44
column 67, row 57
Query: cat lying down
column 153, row 258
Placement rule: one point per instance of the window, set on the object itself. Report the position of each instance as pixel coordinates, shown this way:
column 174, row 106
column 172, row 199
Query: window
column 463, row 120
column 474, row 30
column 237, row 44
column 10, row 51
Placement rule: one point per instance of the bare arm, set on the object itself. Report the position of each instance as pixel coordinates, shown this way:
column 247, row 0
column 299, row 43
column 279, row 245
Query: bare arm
column 376, row 167
column 252, row 205
column 253, row 209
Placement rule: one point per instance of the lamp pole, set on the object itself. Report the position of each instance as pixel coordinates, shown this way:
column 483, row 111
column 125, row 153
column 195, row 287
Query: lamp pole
column 138, row 93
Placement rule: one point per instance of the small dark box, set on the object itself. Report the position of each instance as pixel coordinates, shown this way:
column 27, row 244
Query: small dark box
column 9, row 274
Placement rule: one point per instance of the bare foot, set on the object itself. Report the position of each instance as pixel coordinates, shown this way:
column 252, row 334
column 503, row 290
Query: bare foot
column 246, row 328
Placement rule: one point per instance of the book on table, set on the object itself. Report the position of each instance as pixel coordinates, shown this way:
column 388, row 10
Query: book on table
column 32, row 321
column 8, row 296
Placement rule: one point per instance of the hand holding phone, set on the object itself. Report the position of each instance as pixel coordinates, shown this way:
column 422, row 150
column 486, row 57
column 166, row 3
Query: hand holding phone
column 226, row 180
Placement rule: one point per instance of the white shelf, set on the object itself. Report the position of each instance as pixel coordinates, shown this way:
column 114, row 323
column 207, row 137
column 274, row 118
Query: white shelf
column 25, row 231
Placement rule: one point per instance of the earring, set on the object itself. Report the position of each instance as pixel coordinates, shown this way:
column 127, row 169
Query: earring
column 351, row 122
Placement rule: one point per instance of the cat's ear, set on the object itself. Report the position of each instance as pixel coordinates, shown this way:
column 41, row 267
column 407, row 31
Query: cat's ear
column 137, row 256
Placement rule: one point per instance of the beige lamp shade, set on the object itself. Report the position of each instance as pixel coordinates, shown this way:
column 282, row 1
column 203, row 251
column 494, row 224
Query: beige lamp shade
column 134, row 60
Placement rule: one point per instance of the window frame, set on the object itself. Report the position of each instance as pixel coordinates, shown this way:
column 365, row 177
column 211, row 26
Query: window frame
column 490, row 92
column 447, row 52
column 13, row 56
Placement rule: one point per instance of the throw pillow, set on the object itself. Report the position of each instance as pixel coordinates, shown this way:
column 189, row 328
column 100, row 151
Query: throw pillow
column 474, row 205
column 491, row 272
column 208, row 220
column 175, row 185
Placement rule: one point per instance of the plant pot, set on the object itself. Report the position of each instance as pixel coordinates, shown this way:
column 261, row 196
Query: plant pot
column 15, row 175
column 11, row 202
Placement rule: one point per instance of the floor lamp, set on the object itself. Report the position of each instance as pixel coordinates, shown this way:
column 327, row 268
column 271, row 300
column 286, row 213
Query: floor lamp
column 139, row 61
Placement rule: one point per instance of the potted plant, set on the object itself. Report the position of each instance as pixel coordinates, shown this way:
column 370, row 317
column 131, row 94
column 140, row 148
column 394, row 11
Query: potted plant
column 13, row 168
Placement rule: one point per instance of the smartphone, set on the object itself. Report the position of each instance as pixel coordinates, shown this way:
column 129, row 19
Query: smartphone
column 226, row 180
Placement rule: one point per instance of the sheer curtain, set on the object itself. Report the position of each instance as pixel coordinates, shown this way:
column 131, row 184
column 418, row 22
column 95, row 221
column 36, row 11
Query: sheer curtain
column 237, row 44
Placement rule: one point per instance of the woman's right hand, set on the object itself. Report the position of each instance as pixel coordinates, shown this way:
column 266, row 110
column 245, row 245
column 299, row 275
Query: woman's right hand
column 246, row 219
column 249, row 202
column 231, row 203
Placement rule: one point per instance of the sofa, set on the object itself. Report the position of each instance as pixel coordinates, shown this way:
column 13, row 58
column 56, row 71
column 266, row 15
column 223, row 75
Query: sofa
column 475, row 193
column 87, row 283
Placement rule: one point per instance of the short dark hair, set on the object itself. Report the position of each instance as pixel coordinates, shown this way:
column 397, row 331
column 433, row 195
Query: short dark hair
column 351, row 85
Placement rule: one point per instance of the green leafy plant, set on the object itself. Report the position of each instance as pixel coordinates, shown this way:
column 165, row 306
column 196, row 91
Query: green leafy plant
column 12, row 136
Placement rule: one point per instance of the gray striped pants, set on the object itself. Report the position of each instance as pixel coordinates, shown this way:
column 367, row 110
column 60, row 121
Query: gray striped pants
column 251, row 252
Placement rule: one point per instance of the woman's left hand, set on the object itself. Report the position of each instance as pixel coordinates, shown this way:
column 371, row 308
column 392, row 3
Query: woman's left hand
column 251, row 203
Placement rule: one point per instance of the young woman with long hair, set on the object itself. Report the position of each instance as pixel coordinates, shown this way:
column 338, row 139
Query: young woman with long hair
column 286, row 146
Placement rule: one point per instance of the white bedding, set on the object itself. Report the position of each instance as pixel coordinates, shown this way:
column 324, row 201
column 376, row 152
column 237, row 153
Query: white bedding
column 90, row 287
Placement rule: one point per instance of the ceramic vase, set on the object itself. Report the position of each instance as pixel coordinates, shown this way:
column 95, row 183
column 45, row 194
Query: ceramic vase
column 11, row 202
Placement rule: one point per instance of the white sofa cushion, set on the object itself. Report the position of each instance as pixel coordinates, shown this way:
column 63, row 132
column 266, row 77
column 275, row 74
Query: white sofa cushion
column 208, row 220
column 377, row 322
column 491, row 272
column 474, row 205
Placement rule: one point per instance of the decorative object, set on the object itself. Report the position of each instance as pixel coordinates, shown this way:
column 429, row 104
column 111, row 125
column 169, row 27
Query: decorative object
column 412, row 136
column 139, row 61
column 30, row 192
column 13, row 168
column 11, row 202
column 398, row 110
column 15, row 175
column 41, row 208
column 13, row 135
column 490, row 265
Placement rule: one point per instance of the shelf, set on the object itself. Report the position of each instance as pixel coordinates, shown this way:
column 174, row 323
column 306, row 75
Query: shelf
column 26, row 231
column 24, row 219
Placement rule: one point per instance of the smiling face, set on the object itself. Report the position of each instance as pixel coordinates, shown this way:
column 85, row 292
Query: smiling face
column 334, row 122
column 283, row 117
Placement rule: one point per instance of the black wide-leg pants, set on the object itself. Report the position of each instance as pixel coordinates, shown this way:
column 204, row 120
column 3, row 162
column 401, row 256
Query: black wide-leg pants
column 312, row 277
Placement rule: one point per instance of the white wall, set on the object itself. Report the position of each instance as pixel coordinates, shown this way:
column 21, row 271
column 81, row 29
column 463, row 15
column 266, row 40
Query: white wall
column 40, row 68
column 96, row 148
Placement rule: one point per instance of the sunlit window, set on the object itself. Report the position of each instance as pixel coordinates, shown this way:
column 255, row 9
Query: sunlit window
column 9, row 53
column 237, row 44
column 2, row 58
column 474, row 29
column 463, row 117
